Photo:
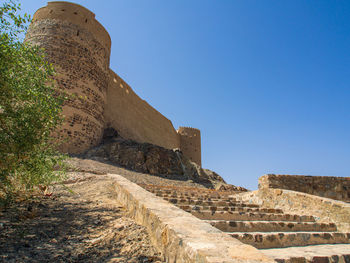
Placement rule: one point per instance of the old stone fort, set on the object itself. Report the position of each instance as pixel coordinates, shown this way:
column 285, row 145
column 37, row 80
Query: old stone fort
column 289, row 219
column 79, row 47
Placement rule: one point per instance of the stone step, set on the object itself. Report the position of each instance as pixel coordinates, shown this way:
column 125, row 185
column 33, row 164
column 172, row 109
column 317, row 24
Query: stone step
column 270, row 226
column 179, row 196
column 315, row 254
column 192, row 193
column 207, row 203
column 249, row 216
column 190, row 208
column 217, row 201
column 288, row 239
column 193, row 196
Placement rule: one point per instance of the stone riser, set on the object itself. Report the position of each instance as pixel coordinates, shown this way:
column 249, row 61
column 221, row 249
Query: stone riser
column 229, row 215
column 317, row 259
column 270, row 226
column 190, row 208
column 208, row 203
column 283, row 239
column 190, row 194
column 328, row 253
column 203, row 198
column 266, row 229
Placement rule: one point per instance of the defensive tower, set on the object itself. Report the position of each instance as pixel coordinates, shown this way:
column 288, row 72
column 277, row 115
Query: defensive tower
column 79, row 47
column 190, row 143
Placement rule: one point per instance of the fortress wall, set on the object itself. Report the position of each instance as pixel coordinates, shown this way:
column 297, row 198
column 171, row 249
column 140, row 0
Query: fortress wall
column 77, row 15
column 337, row 188
column 190, row 143
column 79, row 48
column 134, row 118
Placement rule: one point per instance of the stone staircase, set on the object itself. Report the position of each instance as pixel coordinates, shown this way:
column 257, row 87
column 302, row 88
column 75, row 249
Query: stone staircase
column 265, row 229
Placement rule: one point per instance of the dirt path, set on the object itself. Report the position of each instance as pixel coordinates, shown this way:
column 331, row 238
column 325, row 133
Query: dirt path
column 85, row 226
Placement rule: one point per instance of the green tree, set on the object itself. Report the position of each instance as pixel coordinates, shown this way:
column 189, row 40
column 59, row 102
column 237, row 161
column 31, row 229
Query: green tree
column 30, row 109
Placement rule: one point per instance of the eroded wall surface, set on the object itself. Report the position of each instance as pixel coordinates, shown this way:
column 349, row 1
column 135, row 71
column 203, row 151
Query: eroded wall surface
column 79, row 48
column 134, row 118
column 190, row 143
column 337, row 188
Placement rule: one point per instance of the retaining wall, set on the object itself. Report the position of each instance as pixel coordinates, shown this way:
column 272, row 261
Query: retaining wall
column 180, row 236
column 337, row 188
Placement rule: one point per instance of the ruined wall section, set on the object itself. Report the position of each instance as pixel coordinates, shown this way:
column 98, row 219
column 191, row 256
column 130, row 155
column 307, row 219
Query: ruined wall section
column 337, row 188
column 190, row 143
column 134, row 118
column 79, row 48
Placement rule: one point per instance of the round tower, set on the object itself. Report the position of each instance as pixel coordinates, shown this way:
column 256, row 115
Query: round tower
column 78, row 46
column 190, row 143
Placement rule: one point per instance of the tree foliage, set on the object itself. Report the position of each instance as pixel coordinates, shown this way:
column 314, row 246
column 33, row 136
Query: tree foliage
column 30, row 108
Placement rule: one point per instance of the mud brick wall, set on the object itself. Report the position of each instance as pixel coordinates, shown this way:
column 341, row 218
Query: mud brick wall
column 337, row 188
column 135, row 119
column 190, row 143
column 79, row 48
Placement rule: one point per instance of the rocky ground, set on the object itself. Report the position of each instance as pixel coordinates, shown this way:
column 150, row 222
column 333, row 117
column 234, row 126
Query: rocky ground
column 84, row 224
column 155, row 160
column 80, row 221
column 98, row 167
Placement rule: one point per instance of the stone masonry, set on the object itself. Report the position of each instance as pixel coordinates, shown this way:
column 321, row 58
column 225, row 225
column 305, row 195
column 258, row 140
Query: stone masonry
column 283, row 235
column 79, row 48
column 337, row 188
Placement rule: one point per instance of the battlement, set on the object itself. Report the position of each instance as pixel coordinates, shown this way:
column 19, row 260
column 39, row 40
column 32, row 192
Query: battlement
column 77, row 15
column 189, row 131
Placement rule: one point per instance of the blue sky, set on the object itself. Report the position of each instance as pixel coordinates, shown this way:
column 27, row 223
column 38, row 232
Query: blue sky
column 266, row 82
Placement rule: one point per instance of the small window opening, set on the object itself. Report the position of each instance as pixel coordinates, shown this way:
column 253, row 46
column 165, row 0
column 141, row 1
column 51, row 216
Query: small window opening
column 75, row 13
column 78, row 33
column 62, row 10
column 86, row 20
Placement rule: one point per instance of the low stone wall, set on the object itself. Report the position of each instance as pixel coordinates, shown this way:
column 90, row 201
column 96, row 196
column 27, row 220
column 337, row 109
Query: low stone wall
column 323, row 209
column 337, row 188
column 180, row 236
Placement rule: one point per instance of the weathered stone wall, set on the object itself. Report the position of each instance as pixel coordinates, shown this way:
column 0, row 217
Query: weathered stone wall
column 79, row 48
column 190, row 143
column 337, row 188
column 323, row 209
column 180, row 236
column 134, row 118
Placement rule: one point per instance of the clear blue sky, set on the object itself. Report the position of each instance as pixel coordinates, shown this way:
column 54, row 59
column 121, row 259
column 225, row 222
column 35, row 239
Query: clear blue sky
column 266, row 82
